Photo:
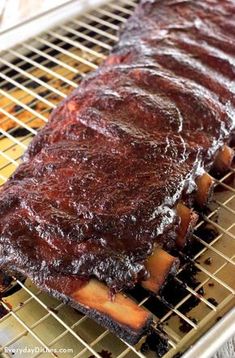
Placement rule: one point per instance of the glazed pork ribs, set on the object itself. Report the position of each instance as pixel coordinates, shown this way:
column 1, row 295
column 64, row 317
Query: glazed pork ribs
column 106, row 188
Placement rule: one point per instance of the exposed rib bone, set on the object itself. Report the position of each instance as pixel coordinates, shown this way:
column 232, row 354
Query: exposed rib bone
column 223, row 159
column 205, row 185
column 188, row 219
column 160, row 264
column 120, row 315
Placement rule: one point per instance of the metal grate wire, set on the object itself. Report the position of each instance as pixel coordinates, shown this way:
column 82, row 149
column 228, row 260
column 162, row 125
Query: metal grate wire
column 34, row 77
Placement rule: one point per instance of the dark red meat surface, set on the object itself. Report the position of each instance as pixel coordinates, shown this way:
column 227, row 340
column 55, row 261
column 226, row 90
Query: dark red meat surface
column 98, row 185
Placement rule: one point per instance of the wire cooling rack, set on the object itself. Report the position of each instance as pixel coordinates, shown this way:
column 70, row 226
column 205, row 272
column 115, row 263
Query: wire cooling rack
column 34, row 77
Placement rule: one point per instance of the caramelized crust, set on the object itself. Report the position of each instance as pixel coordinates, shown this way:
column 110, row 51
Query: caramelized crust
column 99, row 185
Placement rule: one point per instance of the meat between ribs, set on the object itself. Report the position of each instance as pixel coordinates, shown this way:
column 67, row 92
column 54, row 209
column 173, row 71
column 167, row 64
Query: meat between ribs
column 99, row 184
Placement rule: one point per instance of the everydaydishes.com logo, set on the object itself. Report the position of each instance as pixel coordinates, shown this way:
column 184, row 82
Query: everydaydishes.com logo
column 33, row 350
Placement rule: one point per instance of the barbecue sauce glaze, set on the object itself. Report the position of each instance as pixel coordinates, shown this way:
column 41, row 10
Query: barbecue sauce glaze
column 99, row 184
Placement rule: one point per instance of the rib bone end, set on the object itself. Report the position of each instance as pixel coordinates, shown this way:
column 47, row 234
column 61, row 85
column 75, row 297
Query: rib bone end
column 160, row 264
column 223, row 160
column 188, row 220
column 121, row 315
column 205, row 186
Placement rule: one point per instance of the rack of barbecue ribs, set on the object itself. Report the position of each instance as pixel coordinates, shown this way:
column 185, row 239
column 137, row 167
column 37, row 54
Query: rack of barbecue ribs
column 107, row 188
